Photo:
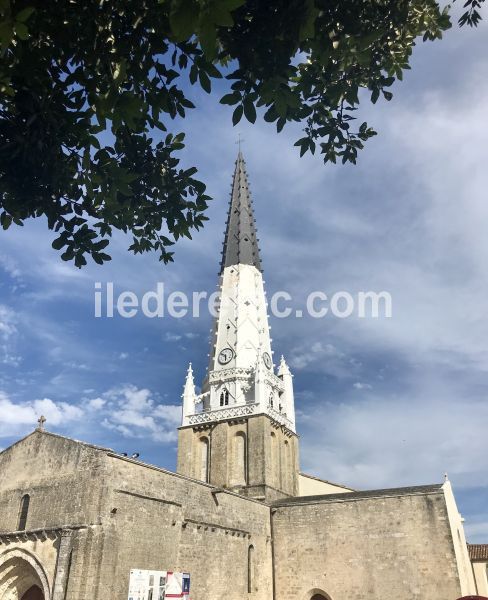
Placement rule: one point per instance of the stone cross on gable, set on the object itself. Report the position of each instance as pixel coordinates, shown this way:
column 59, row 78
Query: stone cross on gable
column 41, row 420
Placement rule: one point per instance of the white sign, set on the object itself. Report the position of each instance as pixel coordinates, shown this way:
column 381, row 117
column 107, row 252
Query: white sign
column 158, row 585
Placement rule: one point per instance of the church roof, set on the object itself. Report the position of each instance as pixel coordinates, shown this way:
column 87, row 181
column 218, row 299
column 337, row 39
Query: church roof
column 478, row 552
column 240, row 244
column 339, row 485
column 39, row 431
column 364, row 495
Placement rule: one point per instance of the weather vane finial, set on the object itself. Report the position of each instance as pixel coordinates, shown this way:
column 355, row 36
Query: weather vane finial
column 239, row 141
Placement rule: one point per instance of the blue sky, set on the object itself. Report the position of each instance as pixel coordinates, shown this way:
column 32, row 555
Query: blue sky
column 380, row 402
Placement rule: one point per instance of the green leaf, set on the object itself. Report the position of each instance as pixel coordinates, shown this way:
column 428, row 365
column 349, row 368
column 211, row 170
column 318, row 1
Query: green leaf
column 80, row 260
column 193, row 74
column 249, row 111
column 237, row 115
column 207, row 36
column 5, row 220
column 24, row 14
column 213, row 71
column 183, row 18
column 230, row 98
column 307, row 27
column 59, row 242
column 21, row 30
column 205, row 81
column 6, row 34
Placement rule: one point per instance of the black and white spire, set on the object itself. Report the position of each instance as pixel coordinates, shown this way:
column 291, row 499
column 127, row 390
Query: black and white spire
column 241, row 378
column 240, row 243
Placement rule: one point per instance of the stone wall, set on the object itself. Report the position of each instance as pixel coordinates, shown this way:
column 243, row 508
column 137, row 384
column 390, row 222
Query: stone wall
column 271, row 456
column 63, row 478
column 109, row 514
column 162, row 521
column 94, row 515
column 364, row 546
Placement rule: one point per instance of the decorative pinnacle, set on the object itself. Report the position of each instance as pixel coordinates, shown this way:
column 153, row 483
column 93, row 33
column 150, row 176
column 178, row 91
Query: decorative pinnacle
column 283, row 368
column 41, row 420
column 189, row 375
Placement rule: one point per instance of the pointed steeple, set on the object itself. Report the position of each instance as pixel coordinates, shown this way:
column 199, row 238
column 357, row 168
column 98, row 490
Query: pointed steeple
column 240, row 244
column 239, row 433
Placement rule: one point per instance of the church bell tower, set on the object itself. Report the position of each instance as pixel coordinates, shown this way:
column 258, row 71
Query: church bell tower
column 239, row 433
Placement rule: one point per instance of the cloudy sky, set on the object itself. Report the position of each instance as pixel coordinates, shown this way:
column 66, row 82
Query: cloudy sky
column 380, row 402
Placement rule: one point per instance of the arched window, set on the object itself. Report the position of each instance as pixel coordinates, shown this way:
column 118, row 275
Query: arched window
column 23, row 512
column 204, row 452
column 285, row 462
column 275, row 460
column 318, row 595
column 250, row 568
column 224, row 398
column 239, row 462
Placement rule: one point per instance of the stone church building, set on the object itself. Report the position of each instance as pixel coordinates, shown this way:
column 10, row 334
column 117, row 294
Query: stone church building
column 238, row 514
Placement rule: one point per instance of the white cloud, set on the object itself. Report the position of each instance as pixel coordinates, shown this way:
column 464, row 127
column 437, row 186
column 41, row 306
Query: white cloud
column 405, row 439
column 14, row 416
column 171, row 337
column 96, row 403
column 191, row 336
column 135, row 412
column 7, row 322
column 170, row 413
column 123, row 355
column 10, row 266
column 57, row 413
column 308, row 354
column 134, row 398
column 358, row 385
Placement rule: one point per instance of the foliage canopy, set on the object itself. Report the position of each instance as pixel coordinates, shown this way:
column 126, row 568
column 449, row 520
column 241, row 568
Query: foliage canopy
column 89, row 88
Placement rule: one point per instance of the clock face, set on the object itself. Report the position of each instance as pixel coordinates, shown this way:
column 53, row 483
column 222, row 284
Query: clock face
column 225, row 356
column 267, row 360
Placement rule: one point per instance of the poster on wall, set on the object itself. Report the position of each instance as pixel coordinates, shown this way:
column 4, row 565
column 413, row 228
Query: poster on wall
column 158, row 585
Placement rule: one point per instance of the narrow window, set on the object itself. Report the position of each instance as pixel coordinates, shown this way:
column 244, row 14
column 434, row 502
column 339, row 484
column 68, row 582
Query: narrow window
column 24, row 511
column 271, row 400
column 204, row 451
column 285, row 464
column 239, row 469
column 276, row 465
column 224, row 398
column 250, row 569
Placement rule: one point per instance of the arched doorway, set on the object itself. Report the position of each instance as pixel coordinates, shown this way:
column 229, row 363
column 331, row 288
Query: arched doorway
column 33, row 593
column 317, row 594
column 22, row 577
